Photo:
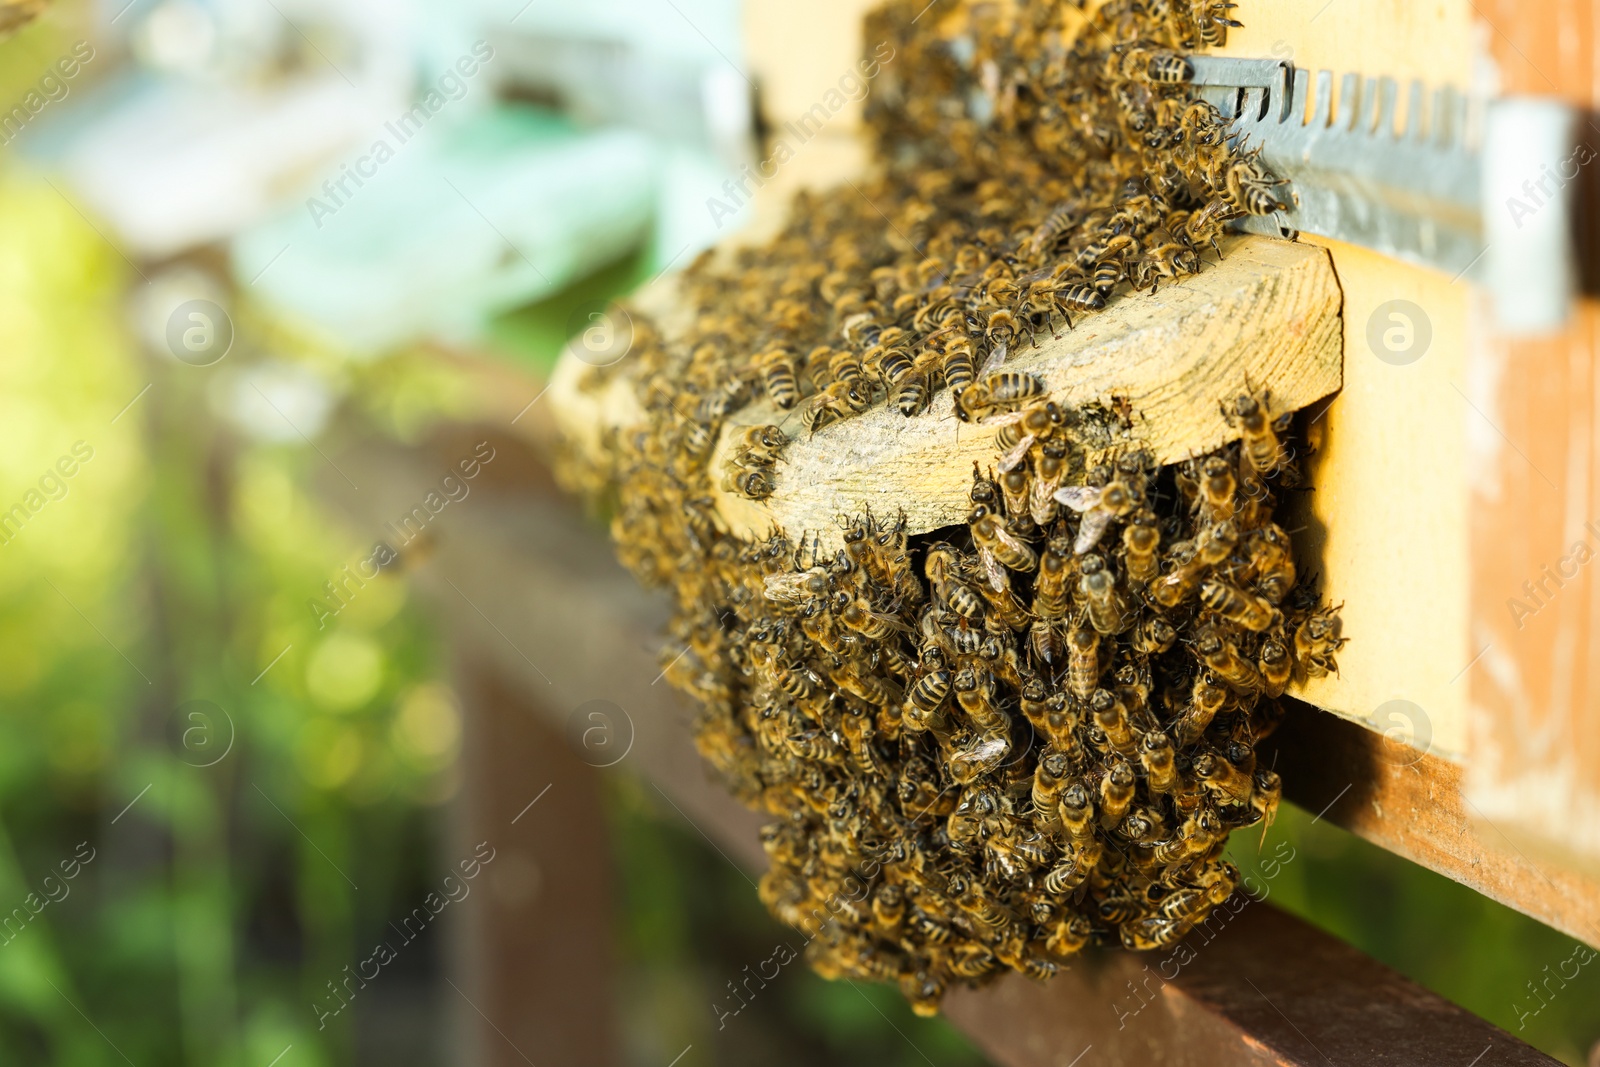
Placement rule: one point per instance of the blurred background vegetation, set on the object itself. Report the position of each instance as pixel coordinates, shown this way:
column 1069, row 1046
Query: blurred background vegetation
column 236, row 766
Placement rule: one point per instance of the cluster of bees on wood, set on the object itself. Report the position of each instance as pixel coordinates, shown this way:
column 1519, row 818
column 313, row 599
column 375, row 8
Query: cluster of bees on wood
column 989, row 746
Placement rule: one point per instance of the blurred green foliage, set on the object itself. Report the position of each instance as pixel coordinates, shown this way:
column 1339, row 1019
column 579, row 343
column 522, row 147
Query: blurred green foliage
column 227, row 842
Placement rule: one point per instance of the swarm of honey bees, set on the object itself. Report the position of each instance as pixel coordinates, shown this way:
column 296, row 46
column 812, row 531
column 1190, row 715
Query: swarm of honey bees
column 988, row 746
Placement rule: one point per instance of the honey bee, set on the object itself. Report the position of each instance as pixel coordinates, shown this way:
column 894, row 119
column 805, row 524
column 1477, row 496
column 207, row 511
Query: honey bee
column 1153, row 636
column 1049, row 471
column 1239, row 607
column 998, row 392
column 778, row 375
column 1157, row 755
column 835, row 402
column 759, row 446
column 1222, row 657
column 1316, row 640
column 1211, row 17
column 992, row 537
column 1083, row 663
column 1107, row 607
column 1206, row 701
column 754, row 484
column 958, row 367
column 1116, row 794
column 1112, row 718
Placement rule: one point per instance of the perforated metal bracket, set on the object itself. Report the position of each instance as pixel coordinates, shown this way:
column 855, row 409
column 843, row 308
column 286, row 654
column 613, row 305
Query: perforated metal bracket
column 1477, row 190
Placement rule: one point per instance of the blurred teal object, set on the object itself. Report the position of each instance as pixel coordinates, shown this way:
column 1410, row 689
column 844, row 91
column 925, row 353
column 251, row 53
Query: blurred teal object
column 452, row 225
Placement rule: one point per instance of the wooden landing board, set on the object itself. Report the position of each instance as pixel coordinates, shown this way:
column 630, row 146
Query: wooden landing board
column 1268, row 314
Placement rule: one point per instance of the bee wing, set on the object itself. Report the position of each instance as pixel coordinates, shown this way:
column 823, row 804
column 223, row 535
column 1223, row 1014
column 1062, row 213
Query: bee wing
column 1092, row 529
column 1041, row 501
column 892, row 620
column 997, row 357
column 1013, row 459
column 1003, row 420
column 1078, row 497
column 993, row 571
column 787, row 588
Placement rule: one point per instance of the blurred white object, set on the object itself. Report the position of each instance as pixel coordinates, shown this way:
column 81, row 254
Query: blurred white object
column 461, row 222
column 274, row 401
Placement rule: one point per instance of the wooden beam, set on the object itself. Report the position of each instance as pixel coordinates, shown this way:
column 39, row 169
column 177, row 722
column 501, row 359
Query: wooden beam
column 1267, row 315
column 1411, row 803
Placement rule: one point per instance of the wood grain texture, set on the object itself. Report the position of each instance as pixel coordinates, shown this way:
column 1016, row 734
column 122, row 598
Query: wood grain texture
column 1267, row 315
column 1412, row 804
column 1386, row 525
column 1535, row 692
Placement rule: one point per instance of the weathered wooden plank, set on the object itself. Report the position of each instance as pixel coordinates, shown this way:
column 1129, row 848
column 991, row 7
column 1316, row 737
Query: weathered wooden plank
column 1267, row 315
column 1535, row 596
column 1411, row 803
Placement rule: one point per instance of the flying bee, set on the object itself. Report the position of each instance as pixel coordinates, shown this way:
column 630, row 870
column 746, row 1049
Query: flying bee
column 993, row 539
column 1239, row 607
column 998, row 392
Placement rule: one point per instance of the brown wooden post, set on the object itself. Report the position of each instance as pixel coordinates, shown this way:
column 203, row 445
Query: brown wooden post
column 533, row 973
